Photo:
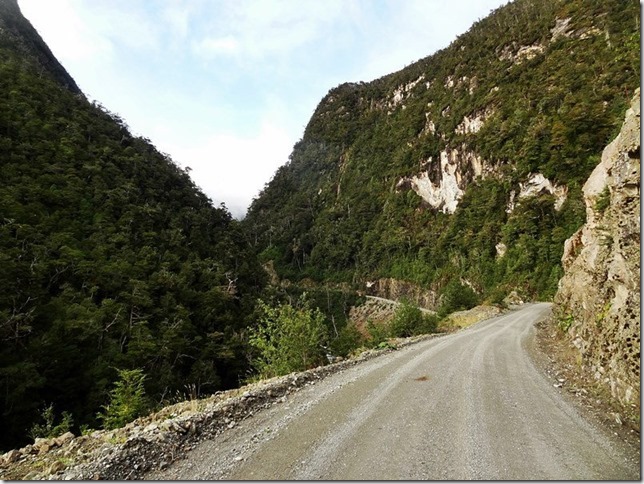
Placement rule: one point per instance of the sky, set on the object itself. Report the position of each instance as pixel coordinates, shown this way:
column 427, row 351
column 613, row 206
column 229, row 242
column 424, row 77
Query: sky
column 226, row 87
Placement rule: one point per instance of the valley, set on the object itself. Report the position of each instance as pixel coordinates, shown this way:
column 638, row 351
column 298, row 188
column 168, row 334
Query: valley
column 390, row 307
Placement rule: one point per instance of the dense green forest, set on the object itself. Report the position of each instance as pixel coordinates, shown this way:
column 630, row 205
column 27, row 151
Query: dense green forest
column 553, row 79
column 111, row 259
column 122, row 287
column 118, row 271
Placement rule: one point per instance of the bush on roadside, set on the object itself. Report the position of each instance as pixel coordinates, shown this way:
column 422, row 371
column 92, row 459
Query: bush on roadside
column 47, row 428
column 127, row 400
column 409, row 320
column 378, row 333
column 457, row 297
column 288, row 339
column 348, row 339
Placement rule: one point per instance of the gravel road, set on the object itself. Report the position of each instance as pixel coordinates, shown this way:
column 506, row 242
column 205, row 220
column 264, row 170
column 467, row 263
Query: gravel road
column 469, row 405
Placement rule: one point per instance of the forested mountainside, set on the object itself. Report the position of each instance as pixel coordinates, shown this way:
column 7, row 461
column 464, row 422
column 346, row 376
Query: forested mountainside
column 462, row 173
column 464, row 168
column 111, row 258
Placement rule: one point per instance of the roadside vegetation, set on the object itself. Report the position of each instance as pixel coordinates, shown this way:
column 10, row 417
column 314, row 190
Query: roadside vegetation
column 296, row 338
column 287, row 339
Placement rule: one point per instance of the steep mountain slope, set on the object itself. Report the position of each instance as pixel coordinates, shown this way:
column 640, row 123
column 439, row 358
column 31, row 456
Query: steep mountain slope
column 18, row 34
column 465, row 168
column 111, row 257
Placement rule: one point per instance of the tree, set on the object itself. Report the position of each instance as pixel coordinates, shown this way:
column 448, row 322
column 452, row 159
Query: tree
column 127, row 400
column 288, row 339
column 409, row 320
column 456, row 297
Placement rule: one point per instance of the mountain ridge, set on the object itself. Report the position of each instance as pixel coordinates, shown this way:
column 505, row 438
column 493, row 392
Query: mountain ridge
column 503, row 124
column 21, row 32
column 113, row 259
column 459, row 175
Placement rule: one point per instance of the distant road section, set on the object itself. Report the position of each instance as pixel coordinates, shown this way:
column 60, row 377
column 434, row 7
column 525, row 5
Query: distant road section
column 470, row 405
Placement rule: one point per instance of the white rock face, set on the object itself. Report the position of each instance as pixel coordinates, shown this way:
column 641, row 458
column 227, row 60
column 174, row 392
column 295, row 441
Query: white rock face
column 525, row 52
column 590, row 32
column 473, row 124
column 501, row 249
column 445, row 196
column 537, row 184
column 529, row 52
column 511, row 202
column 449, row 190
column 397, row 97
column 561, row 29
column 430, row 127
column 474, row 83
column 403, row 92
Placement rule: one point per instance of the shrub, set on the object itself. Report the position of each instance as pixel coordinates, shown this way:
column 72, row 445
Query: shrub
column 127, row 400
column 405, row 319
column 457, row 297
column 47, row 429
column 409, row 320
column 349, row 338
column 566, row 322
column 288, row 339
column 603, row 200
column 377, row 333
column 429, row 324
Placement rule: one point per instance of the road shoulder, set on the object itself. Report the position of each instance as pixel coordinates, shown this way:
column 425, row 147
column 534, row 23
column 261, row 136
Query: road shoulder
column 555, row 357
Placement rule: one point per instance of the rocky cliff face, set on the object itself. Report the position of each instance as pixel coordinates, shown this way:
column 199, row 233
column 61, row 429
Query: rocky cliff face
column 389, row 288
column 598, row 301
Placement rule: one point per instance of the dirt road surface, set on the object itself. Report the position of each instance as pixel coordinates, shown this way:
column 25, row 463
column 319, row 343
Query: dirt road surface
column 469, row 405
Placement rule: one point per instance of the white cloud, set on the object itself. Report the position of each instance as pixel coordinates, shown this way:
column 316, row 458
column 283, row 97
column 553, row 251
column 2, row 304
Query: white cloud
column 130, row 25
column 264, row 29
column 80, row 30
column 68, row 34
column 211, row 47
column 231, row 168
column 178, row 16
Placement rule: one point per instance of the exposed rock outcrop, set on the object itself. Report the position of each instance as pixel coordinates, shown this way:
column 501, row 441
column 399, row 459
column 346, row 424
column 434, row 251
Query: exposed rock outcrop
column 442, row 186
column 388, row 288
column 378, row 311
column 474, row 123
column 598, row 301
column 561, row 29
column 518, row 54
column 403, row 92
column 536, row 185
